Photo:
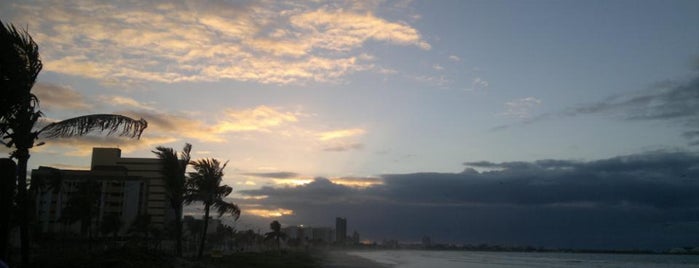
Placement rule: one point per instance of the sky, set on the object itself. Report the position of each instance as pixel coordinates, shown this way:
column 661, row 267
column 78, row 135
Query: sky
column 551, row 123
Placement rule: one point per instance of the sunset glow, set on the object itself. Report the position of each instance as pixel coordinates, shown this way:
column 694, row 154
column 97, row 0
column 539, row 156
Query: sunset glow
column 561, row 123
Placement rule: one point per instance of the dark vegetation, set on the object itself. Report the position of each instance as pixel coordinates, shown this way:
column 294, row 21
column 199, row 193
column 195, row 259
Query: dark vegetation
column 132, row 257
column 20, row 65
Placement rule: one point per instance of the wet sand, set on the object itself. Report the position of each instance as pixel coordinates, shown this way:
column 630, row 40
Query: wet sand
column 340, row 259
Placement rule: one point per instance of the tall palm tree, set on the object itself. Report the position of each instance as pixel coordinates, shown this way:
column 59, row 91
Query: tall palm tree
column 276, row 234
column 204, row 185
column 7, row 193
column 19, row 67
column 174, row 170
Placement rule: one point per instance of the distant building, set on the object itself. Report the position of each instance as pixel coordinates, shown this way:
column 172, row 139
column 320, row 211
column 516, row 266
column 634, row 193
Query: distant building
column 317, row 234
column 128, row 187
column 355, row 238
column 294, row 232
column 340, row 229
column 323, row 234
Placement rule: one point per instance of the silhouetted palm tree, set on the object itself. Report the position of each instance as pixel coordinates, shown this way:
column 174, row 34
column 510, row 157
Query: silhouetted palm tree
column 19, row 68
column 82, row 206
column 194, row 232
column 276, row 234
column 174, row 171
column 8, row 170
column 204, row 185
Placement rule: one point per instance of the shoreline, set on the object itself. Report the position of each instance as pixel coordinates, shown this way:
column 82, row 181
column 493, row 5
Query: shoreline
column 340, row 259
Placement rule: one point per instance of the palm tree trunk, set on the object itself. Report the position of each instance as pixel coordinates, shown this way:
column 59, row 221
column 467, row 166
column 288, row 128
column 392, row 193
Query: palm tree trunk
column 8, row 168
column 22, row 155
column 279, row 248
column 178, row 232
column 203, row 235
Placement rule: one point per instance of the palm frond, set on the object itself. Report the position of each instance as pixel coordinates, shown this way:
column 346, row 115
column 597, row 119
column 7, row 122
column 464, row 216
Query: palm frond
column 186, row 157
column 174, row 171
column 223, row 207
column 82, row 125
column 204, row 184
column 174, row 184
column 19, row 67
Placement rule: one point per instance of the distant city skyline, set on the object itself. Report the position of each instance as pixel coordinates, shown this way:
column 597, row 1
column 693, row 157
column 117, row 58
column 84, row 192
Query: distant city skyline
column 564, row 123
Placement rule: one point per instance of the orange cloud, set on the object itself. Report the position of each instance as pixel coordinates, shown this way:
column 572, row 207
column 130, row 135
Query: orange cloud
column 359, row 182
column 260, row 118
column 339, row 134
column 176, row 42
column 342, row 31
column 124, row 101
column 269, row 213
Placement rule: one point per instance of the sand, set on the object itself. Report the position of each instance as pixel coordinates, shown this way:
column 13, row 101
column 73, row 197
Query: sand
column 340, row 259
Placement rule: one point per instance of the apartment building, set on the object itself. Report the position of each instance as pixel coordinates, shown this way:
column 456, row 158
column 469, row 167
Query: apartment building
column 127, row 187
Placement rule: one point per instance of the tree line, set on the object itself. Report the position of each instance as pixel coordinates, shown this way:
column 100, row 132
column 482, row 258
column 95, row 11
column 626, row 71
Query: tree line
column 20, row 65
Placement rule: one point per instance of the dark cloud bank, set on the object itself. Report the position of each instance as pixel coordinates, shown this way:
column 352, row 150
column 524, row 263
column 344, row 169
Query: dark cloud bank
column 648, row 201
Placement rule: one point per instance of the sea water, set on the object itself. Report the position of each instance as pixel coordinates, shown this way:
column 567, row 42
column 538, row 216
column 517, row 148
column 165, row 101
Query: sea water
column 447, row 259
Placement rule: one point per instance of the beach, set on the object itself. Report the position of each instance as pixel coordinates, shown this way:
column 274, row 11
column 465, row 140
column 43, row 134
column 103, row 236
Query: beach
column 486, row 259
column 340, row 259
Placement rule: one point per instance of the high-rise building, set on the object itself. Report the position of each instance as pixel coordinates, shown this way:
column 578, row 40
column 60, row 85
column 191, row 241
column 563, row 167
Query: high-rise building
column 340, row 229
column 128, row 187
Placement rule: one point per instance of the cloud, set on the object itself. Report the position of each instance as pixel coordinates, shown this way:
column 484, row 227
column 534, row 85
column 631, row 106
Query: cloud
column 437, row 67
column 520, row 108
column 620, row 202
column 317, row 191
column 276, row 175
column 124, row 101
column 478, row 84
column 270, row 42
column 673, row 101
column 268, row 213
column 454, row 58
column 343, row 147
column 357, row 181
column 260, row 118
column 250, row 124
column 173, row 125
column 440, row 81
column 340, row 134
column 339, row 30
column 386, row 71
column 54, row 96
column 82, row 146
column 668, row 100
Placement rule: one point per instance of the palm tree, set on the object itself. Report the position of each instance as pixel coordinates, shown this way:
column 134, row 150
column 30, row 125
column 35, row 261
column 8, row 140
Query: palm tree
column 276, row 233
column 7, row 193
column 204, row 185
column 82, row 206
column 174, row 171
column 19, row 68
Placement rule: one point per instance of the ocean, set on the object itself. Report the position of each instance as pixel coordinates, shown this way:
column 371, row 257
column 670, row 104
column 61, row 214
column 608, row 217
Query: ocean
column 465, row 259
